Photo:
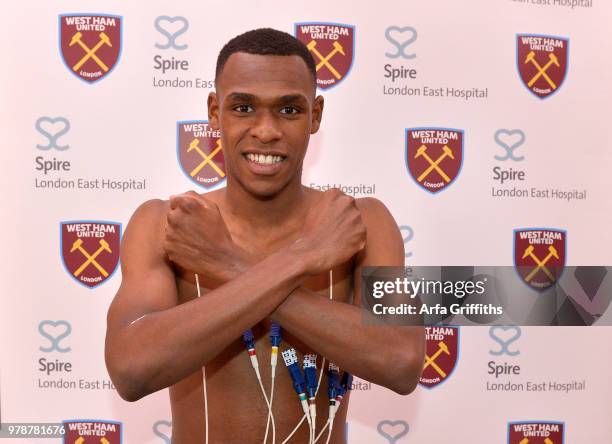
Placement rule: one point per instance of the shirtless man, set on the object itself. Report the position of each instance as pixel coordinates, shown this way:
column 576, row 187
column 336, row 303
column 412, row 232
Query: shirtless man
column 262, row 248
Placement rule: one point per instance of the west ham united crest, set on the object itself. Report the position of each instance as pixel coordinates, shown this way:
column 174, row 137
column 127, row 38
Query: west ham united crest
column 200, row 153
column 539, row 256
column 90, row 44
column 90, row 250
column 434, row 156
column 90, row 431
column 536, row 432
column 542, row 62
column 333, row 47
column 441, row 354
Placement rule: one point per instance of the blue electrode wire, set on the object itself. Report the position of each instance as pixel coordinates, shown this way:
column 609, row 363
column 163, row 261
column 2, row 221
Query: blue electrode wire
column 310, row 372
column 275, row 340
column 275, row 334
column 299, row 382
column 249, row 341
column 333, row 383
column 345, row 386
column 347, row 382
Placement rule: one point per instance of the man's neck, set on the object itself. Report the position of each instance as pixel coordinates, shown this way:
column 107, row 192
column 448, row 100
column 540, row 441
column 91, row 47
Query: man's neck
column 262, row 213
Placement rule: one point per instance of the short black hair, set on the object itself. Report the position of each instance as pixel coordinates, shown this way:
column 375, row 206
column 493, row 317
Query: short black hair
column 266, row 41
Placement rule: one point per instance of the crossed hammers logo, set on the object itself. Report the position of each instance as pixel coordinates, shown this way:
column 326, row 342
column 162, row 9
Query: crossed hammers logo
column 431, row 360
column 542, row 71
column 540, row 264
column 546, row 441
column 90, row 53
column 434, row 165
column 325, row 60
column 81, row 440
column 207, row 159
column 90, row 258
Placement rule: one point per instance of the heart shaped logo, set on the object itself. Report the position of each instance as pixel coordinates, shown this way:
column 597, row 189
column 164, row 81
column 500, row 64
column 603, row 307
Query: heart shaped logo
column 171, row 27
column 54, row 331
column 163, row 429
column 392, row 430
column 401, row 38
column 52, row 128
column 509, row 140
column 504, row 336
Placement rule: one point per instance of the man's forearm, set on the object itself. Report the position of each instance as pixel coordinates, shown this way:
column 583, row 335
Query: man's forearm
column 386, row 355
column 164, row 347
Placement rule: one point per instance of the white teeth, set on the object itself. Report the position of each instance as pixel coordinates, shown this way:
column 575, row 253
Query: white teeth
column 263, row 159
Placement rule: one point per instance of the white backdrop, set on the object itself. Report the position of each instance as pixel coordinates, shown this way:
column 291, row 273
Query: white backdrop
column 123, row 128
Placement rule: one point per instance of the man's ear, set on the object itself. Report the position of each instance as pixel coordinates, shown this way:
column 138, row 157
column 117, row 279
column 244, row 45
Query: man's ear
column 317, row 114
column 213, row 111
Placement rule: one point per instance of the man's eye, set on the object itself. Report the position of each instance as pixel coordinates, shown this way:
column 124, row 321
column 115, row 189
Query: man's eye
column 289, row 110
column 243, row 108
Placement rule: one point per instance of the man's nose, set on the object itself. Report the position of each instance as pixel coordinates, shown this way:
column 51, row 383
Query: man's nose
column 266, row 128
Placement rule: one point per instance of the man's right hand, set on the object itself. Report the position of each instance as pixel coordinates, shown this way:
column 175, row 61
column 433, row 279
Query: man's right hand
column 198, row 240
column 333, row 232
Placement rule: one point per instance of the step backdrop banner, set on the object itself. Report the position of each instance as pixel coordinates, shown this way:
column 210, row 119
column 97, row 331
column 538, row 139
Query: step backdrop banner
column 483, row 125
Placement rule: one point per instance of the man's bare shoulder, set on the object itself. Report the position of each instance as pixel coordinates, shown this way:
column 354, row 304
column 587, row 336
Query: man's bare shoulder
column 143, row 239
column 149, row 216
column 384, row 243
column 374, row 211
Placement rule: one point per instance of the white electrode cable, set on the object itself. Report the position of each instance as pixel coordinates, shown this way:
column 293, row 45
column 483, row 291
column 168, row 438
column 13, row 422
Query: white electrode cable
column 329, row 434
column 331, row 297
column 197, row 279
column 334, row 402
column 310, row 372
column 310, row 436
column 305, row 417
column 330, row 421
column 269, row 411
column 255, row 366
column 268, row 401
column 275, row 341
column 249, row 341
column 322, row 431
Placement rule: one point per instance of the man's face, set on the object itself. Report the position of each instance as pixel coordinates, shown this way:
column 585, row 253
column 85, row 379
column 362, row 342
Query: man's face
column 266, row 109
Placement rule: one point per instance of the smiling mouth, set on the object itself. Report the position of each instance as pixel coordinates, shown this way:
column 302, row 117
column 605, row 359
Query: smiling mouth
column 263, row 159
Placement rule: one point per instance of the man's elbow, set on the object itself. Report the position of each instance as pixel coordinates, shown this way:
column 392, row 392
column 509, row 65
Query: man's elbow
column 407, row 371
column 129, row 392
column 407, row 377
column 126, row 378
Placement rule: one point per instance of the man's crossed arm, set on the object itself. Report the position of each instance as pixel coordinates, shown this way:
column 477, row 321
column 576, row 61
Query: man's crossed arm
column 153, row 342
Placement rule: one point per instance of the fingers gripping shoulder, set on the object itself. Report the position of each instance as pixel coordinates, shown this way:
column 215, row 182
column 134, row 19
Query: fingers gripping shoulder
column 373, row 210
